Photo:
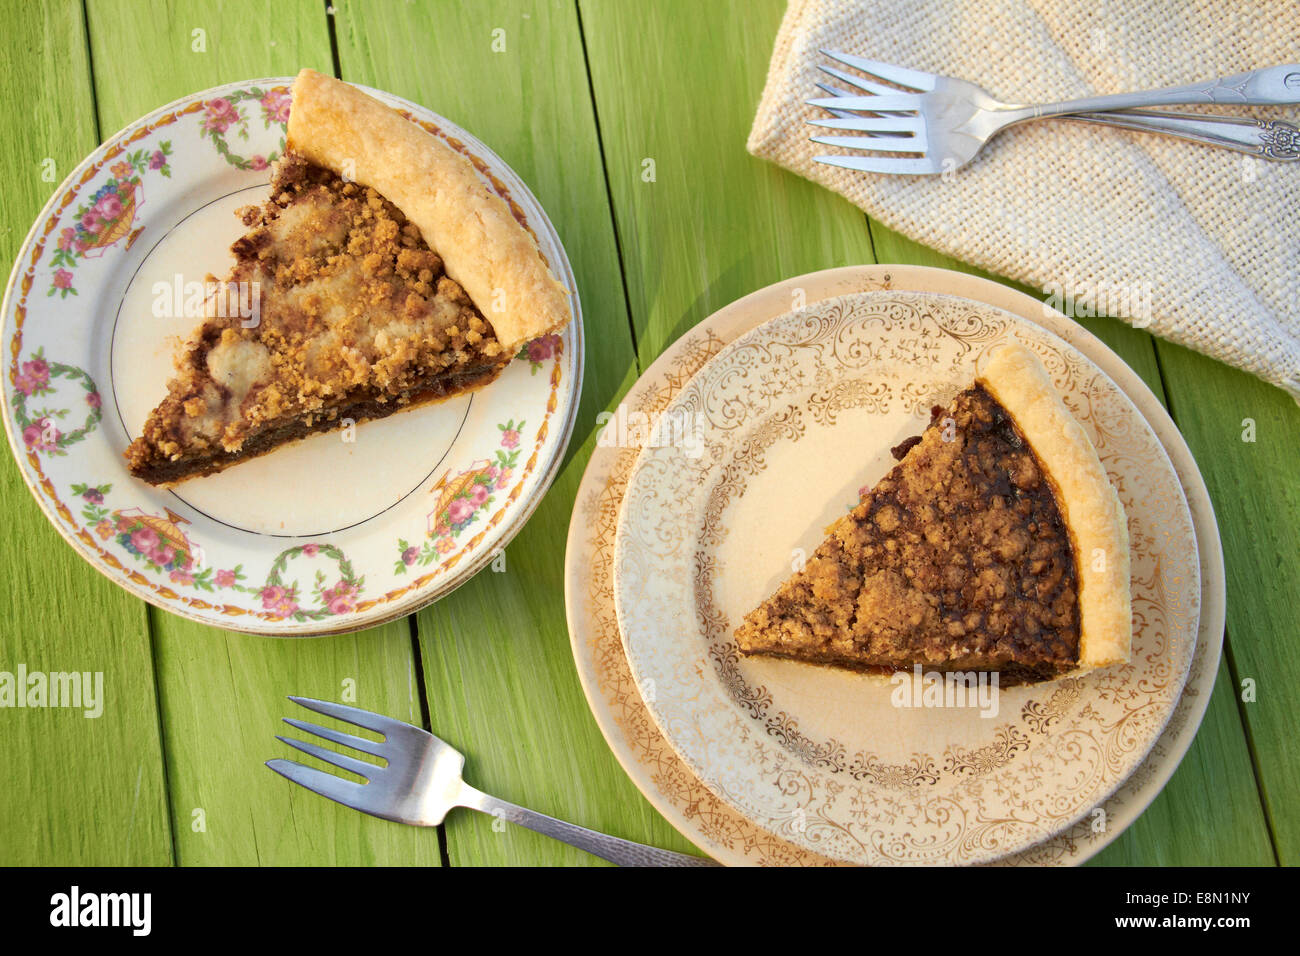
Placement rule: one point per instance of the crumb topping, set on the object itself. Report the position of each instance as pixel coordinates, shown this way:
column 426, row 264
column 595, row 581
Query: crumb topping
column 958, row 559
column 351, row 301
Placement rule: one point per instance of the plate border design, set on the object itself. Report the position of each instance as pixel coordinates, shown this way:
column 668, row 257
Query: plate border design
column 772, row 772
column 648, row 759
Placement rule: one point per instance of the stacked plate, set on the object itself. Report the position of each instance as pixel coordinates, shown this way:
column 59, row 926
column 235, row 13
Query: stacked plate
column 730, row 454
column 338, row 532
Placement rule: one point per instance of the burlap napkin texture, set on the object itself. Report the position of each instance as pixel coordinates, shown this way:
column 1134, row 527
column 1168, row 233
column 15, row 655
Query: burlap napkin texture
column 1200, row 245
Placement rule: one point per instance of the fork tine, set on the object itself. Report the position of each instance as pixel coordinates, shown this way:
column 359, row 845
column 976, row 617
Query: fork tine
column 885, row 144
column 879, row 89
column 835, row 92
column 900, row 75
column 326, row 784
column 845, row 114
column 893, row 103
column 872, row 124
column 337, row 736
column 355, row 715
column 884, row 164
column 362, row 769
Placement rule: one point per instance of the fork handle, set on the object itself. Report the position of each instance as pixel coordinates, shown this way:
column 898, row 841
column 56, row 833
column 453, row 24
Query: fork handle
column 1270, row 86
column 1267, row 139
column 613, row 849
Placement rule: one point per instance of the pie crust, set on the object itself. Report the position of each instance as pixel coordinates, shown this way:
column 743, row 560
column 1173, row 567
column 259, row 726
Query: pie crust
column 1088, row 502
column 484, row 247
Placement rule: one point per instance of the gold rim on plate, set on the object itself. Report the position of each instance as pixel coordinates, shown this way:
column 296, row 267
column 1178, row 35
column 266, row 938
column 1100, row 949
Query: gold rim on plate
column 633, row 735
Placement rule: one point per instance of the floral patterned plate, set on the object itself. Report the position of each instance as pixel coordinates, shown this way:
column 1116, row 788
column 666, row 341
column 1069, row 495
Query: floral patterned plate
column 337, row 532
column 828, row 760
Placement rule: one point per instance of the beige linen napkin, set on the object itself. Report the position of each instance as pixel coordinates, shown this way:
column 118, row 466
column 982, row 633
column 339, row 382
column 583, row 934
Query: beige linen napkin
column 1200, row 245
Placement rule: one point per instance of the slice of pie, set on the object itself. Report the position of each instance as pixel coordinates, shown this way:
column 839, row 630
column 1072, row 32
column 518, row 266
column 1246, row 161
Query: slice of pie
column 384, row 275
column 995, row 544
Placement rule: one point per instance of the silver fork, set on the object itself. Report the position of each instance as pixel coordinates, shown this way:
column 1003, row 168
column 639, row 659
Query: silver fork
column 954, row 119
column 421, row 780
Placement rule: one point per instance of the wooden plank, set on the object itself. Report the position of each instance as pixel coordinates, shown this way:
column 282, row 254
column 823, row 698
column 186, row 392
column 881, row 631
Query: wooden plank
column 701, row 222
column 1181, row 828
column 1209, row 814
column 78, row 791
column 498, row 669
column 222, row 694
column 1255, row 487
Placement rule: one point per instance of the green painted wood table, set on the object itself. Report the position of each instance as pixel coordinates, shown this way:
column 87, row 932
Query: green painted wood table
column 574, row 96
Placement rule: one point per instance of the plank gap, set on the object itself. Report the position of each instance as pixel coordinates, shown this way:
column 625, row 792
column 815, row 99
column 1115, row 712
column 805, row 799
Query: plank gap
column 1164, row 387
column 426, row 720
column 94, row 94
column 609, row 191
column 871, row 239
column 1231, row 660
column 149, row 612
column 330, row 27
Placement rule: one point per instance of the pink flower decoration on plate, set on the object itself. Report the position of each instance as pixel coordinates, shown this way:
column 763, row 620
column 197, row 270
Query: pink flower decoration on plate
column 539, row 350
column 36, row 438
column 278, row 600
column 110, row 207
column 275, row 104
column 35, row 375
column 340, row 599
column 271, row 595
column 460, row 510
column 221, row 114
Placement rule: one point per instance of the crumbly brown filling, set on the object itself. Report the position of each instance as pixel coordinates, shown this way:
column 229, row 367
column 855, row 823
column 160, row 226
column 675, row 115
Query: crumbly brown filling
column 355, row 311
column 958, row 559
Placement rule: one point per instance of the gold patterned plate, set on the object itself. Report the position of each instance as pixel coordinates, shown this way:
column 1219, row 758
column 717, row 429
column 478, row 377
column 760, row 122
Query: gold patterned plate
column 767, row 444
column 936, row 788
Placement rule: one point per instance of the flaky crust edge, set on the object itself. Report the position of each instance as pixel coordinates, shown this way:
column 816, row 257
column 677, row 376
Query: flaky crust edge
column 482, row 245
column 1091, row 508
